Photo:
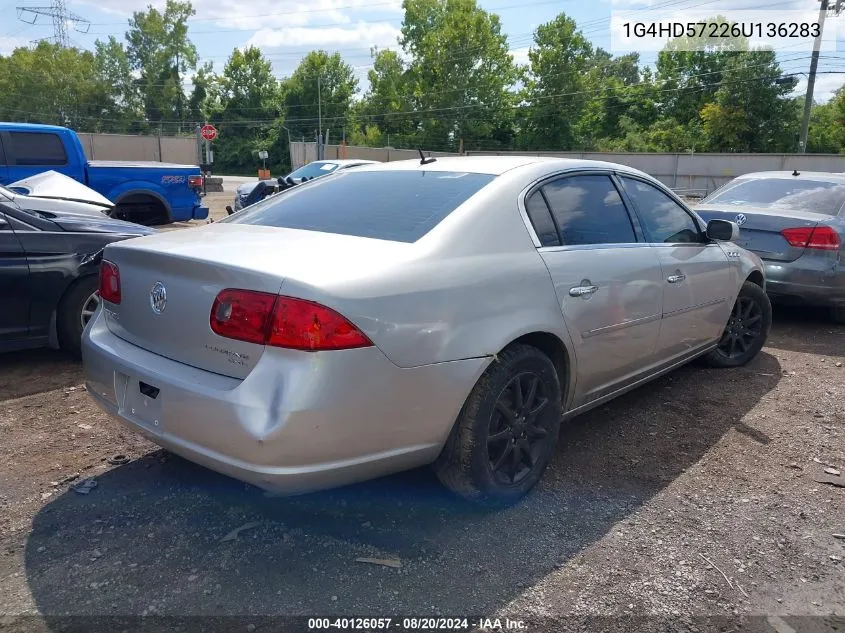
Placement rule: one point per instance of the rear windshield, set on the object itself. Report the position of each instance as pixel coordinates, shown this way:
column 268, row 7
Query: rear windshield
column 399, row 206
column 798, row 195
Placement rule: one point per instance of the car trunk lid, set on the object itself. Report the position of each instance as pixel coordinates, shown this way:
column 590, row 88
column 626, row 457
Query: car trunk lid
column 194, row 265
column 761, row 229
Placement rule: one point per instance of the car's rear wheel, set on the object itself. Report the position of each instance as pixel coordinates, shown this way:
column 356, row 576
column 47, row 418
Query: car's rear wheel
column 506, row 433
column 746, row 330
column 75, row 310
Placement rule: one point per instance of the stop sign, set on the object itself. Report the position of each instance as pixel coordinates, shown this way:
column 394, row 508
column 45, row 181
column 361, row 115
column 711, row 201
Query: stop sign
column 209, row 132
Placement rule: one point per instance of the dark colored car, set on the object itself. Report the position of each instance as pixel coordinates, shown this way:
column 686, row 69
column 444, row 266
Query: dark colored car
column 795, row 222
column 50, row 248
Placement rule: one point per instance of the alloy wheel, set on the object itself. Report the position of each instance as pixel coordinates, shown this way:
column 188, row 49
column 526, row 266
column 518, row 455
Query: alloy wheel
column 517, row 432
column 89, row 307
column 743, row 328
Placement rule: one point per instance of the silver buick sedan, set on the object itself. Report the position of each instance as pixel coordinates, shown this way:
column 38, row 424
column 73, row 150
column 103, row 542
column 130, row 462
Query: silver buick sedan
column 450, row 312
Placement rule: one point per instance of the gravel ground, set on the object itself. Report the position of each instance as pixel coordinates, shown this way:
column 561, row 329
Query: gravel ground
column 700, row 495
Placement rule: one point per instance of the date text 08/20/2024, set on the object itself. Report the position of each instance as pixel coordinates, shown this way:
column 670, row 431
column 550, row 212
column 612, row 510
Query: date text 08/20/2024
column 415, row 624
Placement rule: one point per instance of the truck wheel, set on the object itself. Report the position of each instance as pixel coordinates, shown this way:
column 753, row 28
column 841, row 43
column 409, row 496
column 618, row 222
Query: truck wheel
column 506, row 433
column 76, row 308
column 746, row 330
column 141, row 209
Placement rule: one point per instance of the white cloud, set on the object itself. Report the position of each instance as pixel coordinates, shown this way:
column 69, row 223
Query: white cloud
column 241, row 14
column 824, row 88
column 520, row 55
column 363, row 34
column 9, row 43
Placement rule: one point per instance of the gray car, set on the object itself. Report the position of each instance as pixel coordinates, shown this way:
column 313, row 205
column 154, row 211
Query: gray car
column 450, row 313
column 795, row 222
column 314, row 169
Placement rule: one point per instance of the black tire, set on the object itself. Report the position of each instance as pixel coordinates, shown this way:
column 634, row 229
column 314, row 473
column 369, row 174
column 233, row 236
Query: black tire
column 70, row 321
column 466, row 464
column 837, row 315
column 746, row 331
column 141, row 209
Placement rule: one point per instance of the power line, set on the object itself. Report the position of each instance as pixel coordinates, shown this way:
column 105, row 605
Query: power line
column 61, row 16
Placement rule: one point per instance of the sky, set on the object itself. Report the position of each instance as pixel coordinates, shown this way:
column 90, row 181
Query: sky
column 285, row 30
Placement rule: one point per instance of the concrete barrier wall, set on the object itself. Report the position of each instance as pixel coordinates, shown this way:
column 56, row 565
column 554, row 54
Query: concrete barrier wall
column 304, row 153
column 168, row 149
column 701, row 172
column 695, row 173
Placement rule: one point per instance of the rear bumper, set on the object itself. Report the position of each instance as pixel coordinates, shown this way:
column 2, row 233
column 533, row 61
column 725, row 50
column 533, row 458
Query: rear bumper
column 200, row 212
column 813, row 279
column 299, row 422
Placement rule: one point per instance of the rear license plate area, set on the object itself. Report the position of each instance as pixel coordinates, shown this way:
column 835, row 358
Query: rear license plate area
column 140, row 402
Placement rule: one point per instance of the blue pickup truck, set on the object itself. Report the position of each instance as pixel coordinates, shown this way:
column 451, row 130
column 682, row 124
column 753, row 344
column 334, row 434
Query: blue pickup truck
column 143, row 192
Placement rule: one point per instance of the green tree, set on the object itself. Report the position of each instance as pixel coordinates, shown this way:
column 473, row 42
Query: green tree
column 201, row 102
column 55, row 85
column 622, row 98
column 300, row 98
column 122, row 110
column 246, row 104
column 383, row 112
column 827, row 124
column 751, row 111
column 560, row 83
column 161, row 52
column 689, row 72
column 460, row 73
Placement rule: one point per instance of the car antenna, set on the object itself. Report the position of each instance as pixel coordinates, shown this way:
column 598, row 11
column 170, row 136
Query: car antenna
column 796, row 173
column 423, row 159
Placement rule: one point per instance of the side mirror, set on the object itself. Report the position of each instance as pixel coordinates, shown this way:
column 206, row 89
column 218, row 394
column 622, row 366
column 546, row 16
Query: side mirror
column 723, row 231
column 229, row 209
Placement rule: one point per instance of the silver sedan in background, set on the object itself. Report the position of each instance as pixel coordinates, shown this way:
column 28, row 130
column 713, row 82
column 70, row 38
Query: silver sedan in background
column 449, row 312
column 795, row 222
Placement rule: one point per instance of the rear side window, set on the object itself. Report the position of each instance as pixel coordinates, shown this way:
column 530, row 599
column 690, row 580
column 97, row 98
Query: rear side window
column 399, row 206
column 589, row 210
column 37, row 148
column 663, row 219
column 541, row 219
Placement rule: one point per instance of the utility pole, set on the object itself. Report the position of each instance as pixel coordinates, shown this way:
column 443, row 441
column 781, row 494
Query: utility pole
column 319, row 110
column 58, row 11
column 811, row 79
column 319, row 122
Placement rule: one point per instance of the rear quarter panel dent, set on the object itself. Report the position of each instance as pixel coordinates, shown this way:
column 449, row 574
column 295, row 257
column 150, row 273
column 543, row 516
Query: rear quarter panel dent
column 447, row 310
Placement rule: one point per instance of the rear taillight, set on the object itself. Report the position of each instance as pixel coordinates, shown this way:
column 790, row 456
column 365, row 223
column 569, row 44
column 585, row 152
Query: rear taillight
column 821, row 237
column 195, row 182
column 109, row 281
column 263, row 318
column 299, row 324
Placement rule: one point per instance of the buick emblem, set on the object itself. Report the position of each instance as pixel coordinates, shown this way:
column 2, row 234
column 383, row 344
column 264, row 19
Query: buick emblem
column 741, row 219
column 158, row 297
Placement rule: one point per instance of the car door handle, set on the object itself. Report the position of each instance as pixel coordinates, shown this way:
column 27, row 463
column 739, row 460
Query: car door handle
column 676, row 279
column 582, row 291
